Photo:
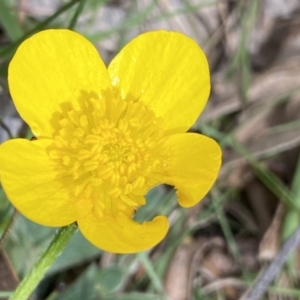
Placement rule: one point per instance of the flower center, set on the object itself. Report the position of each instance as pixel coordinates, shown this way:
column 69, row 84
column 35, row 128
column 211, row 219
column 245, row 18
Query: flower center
column 106, row 151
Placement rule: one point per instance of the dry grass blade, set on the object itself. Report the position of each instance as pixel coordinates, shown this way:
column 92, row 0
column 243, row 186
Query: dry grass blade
column 8, row 277
column 267, row 276
column 215, row 249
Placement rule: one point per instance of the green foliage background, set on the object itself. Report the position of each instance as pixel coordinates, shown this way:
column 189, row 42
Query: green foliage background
column 84, row 272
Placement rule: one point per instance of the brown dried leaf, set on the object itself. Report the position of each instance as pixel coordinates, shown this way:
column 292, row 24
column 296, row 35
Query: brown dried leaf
column 269, row 244
column 177, row 279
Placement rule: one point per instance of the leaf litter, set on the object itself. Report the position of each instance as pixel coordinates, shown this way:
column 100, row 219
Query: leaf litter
column 218, row 249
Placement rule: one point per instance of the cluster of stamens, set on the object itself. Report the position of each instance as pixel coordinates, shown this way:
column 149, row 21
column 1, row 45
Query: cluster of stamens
column 107, row 147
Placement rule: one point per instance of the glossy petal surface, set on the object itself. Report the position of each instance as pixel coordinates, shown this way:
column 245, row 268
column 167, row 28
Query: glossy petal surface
column 51, row 68
column 193, row 166
column 105, row 137
column 31, row 185
column 168, row 72
column 120, row 234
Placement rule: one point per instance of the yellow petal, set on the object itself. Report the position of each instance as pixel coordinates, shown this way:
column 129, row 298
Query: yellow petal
column 168, row 72
column 31, row 186
column 193, row 165
column 121, row 234
column 50, row 68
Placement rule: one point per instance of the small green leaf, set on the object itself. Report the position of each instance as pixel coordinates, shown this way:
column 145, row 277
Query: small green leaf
column 110, row 280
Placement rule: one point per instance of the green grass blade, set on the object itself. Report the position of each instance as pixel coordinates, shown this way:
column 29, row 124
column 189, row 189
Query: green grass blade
column 77, row 14
column 146, row 262
column 275, row 185
column 11, row 48
column 292, row 217
column 9, row 22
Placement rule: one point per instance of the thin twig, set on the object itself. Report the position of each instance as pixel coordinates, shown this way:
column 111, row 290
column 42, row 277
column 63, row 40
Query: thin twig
column 8, row 227
column 268, row 275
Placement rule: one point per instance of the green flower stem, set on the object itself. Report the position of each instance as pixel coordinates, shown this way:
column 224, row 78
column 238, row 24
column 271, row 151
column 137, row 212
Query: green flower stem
column 32, row 279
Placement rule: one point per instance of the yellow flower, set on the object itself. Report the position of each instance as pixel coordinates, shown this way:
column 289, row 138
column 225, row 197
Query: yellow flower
column 105, row 136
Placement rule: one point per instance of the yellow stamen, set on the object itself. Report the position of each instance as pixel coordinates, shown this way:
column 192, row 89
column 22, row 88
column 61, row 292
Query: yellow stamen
column 104, row 149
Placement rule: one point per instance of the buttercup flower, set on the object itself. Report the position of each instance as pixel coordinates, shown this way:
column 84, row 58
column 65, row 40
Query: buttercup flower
column 105, row 136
